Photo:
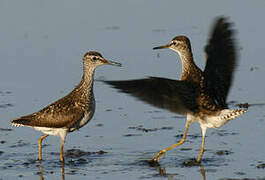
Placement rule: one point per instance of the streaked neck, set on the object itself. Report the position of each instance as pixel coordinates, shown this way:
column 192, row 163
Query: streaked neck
column 86, row 84
column 190, row 71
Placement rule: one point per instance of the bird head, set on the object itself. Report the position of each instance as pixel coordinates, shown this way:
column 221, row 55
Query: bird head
column 177, row 44
column 94, row 59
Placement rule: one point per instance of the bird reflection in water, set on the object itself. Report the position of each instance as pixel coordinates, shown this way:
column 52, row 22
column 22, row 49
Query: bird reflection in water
column 171, row 176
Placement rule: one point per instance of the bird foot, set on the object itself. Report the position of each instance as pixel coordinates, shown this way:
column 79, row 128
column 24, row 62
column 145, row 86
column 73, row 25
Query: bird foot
column 158, row 156
column 191, row 162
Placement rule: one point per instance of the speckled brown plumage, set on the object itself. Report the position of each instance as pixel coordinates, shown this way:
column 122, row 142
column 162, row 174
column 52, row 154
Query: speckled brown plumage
column 70, row 112
column 63, row 113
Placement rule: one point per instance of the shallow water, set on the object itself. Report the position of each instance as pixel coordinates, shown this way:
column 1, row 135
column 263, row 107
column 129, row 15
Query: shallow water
column 42, row 43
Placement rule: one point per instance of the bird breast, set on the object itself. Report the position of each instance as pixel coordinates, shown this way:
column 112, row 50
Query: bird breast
column 88, row 114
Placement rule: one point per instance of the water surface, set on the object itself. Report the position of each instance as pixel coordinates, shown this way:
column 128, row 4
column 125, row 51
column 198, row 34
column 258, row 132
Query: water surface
column 41, row 46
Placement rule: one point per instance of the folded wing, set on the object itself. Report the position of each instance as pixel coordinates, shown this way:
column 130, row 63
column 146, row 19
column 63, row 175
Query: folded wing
column 53, row 116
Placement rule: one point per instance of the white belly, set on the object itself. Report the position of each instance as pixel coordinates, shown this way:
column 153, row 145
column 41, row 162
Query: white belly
column 60, row 132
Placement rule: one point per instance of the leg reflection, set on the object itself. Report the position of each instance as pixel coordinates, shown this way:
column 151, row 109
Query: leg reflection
column 203, row 173
column 62, row 168
column 41, row 171
column 172, row 176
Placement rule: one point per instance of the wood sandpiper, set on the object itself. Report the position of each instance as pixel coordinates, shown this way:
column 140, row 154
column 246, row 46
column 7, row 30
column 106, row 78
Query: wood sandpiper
column 200, row 95
column 70, row 112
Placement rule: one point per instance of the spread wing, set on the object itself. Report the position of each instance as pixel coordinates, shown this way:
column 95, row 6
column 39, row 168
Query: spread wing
column 62, row 113
column 175, row 96
column 221, row 61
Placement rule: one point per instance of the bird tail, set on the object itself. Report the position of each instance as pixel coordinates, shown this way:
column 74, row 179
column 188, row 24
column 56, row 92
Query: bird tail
column 223, row 117
column 19, row 122
column 229, row 114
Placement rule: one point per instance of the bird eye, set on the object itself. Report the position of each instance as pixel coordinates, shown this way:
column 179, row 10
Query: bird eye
column 174, row 43
column 94, row 58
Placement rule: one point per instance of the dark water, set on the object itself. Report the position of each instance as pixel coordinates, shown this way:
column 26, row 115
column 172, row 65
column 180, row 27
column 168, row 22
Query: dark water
column 41, row 46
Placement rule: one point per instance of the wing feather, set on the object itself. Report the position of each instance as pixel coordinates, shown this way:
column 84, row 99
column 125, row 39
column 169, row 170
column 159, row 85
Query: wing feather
column 175, row 96
column 57, row 115
column 221, row 61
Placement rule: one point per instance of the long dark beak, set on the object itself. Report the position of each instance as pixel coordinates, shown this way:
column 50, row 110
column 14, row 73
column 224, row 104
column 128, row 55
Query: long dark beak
column 162, row 47
column 112, row 63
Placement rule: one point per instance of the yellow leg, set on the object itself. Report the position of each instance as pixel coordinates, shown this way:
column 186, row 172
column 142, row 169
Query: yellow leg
column 159, row 155
column 61, row 152
column 202, row 146
column 40, row 141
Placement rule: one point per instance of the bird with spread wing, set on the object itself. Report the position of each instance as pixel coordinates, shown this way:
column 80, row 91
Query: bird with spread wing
column 200, row 95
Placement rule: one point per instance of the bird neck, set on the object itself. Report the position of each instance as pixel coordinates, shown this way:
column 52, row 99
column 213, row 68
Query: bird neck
column 88, row 72
column 85, row 87
column 190, row 71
